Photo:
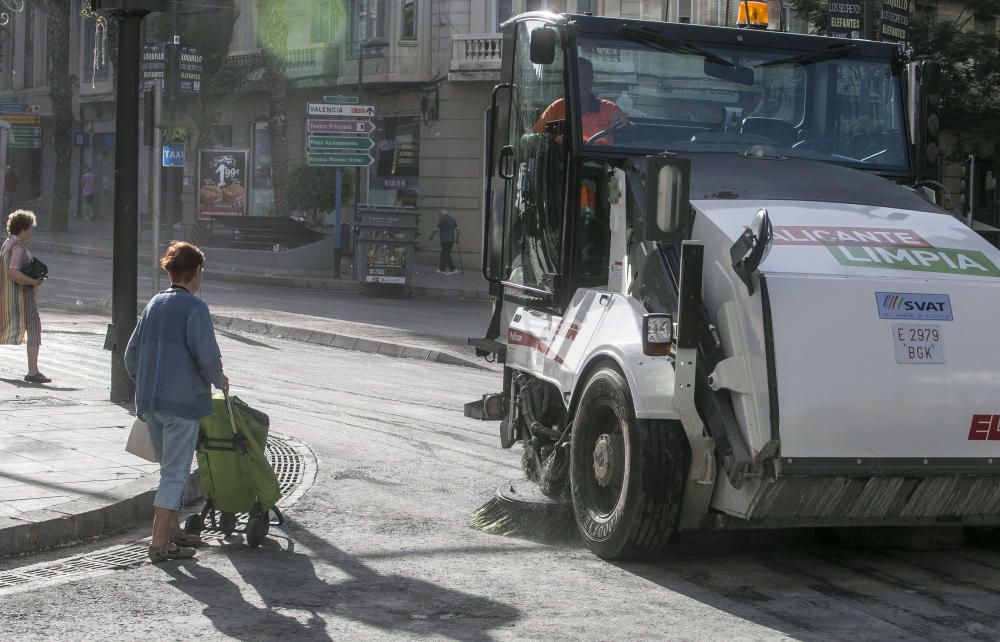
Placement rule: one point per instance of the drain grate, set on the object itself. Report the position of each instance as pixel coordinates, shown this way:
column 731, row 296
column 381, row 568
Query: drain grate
column 292, row 462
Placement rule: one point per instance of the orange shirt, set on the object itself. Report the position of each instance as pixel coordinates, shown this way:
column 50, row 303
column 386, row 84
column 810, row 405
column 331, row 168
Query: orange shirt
column 594, row 121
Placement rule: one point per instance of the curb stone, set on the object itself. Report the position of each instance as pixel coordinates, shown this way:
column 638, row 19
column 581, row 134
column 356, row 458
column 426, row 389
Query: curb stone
column 80, row 519
column 341, row 341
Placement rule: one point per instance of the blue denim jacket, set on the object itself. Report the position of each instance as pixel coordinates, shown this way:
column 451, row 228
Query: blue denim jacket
column 173, row 357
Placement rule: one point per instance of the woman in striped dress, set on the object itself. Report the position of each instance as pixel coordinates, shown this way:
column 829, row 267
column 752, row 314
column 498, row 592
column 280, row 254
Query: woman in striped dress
column 18, row 312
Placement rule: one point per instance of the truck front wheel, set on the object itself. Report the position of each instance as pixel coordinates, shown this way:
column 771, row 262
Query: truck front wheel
column 627, row 474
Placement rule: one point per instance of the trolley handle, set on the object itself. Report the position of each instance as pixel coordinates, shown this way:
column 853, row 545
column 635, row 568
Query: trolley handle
column 229, row 408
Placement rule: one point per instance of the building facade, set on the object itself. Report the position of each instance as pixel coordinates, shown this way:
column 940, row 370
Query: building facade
column 428, row 70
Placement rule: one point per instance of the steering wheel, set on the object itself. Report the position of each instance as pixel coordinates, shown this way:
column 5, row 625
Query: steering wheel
column 617, row 131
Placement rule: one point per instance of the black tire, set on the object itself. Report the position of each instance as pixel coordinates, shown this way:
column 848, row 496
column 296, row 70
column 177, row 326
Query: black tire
column 256, row 531
column 227, row 523
column 194, row 524
column 627, row 475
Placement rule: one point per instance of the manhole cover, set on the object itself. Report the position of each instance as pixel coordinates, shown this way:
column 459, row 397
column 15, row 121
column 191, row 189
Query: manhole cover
column 293, row 464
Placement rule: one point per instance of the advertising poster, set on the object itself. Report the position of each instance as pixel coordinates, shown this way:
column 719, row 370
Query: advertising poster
column 844, row 19
column 222, row 175
column 895, row 21
column 386, row 260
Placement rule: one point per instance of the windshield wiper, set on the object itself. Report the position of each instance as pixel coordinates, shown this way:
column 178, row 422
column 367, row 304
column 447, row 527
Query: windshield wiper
column 647, row 36
column 830, row 53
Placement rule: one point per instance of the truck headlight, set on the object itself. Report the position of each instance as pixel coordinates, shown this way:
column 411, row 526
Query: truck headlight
column 657, row 334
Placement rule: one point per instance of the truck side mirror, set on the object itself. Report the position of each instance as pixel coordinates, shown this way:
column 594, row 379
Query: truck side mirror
column 751, row 248
column 667, row 185
column 543, row 46
column 924, row 97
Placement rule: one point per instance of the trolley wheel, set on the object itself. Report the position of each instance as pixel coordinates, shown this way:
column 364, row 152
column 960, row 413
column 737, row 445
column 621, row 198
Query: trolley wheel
column 256, row 531
column 194, row 524
column 227, row 523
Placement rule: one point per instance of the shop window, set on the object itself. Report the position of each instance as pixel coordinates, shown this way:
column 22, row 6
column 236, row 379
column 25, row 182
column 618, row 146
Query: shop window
column 262, row 197
column 408, row 22
column 320, row 22
column 29, row 47
column 368, row 22
column 504, row 12
column 222, row 135
column 95, row 63
column 394, row 178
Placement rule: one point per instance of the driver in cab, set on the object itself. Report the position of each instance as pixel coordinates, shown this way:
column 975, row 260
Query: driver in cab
column 598, row 114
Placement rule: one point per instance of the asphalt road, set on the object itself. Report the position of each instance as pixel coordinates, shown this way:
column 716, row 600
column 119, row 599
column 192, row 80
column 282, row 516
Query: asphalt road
column 84, row 282
column 379, row 546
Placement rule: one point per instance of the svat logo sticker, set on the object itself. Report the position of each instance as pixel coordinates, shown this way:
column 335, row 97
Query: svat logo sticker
column 913, row 306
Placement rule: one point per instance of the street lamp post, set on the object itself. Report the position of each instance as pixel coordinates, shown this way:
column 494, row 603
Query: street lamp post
column 170, row 196
column 129, row 14
column 376, row 42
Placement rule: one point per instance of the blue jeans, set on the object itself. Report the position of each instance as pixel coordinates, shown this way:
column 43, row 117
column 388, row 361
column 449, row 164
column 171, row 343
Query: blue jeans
column 174, row 440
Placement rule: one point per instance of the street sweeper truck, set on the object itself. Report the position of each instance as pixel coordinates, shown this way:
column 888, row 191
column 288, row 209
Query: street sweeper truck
column 721, row 298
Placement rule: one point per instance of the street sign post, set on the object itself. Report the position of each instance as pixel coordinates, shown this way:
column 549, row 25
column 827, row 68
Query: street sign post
column 341, row 100
column 25, row 143
column 320, row 126
column 326, row 149
column 18, row 108
column 327, row 109
column 326, row 142
column 326, row 159
column 19, row 119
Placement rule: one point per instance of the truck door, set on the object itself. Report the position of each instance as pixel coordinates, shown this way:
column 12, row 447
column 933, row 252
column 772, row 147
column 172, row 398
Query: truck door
column 533, row 211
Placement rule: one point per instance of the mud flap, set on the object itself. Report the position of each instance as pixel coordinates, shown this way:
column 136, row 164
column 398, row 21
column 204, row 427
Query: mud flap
column 700, row 481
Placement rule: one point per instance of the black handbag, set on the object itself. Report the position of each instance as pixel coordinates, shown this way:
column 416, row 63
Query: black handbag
column 35, row 270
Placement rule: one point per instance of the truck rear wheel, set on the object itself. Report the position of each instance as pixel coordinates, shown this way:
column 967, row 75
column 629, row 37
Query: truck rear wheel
column 627, row 475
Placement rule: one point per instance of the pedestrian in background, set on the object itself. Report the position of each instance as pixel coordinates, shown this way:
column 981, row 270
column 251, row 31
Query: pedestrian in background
column 18, row 311
column 447, row 230
column 174, row 360
column 89, row 184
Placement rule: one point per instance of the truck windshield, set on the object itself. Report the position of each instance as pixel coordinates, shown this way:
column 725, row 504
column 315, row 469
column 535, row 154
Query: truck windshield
column 828, row 105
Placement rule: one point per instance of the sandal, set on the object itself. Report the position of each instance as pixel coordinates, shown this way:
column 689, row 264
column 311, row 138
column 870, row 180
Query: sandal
column 189, row 540
column 38, row 377
column 169, row 552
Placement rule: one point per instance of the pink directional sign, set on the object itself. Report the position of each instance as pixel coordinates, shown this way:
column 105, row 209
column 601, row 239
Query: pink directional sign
column 323, row 126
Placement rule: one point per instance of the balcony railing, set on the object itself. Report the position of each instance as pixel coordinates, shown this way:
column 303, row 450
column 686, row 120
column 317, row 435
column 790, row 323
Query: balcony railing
column 475, row 52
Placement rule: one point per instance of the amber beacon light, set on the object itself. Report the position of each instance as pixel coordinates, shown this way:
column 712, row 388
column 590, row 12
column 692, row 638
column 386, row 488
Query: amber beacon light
column 757, row 18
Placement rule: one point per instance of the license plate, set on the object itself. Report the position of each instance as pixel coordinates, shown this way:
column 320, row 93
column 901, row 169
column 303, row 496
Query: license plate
column 918, row 343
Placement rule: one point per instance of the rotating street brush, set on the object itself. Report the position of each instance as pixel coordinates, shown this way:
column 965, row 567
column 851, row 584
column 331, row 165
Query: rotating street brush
column 520, row 509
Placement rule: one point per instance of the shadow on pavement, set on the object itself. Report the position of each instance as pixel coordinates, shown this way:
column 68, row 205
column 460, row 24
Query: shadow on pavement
column 287, row 580
column 21, row 383
column 231, row 613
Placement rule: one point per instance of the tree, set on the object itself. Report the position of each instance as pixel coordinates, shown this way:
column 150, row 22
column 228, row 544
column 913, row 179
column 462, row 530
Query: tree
column 314, row 189
column 224, row 80
column 274, row 37
column 970, row 62
column 57, row 33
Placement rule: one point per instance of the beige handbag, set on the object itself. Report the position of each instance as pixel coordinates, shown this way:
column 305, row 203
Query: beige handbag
column 139, row 442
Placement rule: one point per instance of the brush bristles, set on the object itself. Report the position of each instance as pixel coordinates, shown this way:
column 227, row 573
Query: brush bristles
column 531, row 521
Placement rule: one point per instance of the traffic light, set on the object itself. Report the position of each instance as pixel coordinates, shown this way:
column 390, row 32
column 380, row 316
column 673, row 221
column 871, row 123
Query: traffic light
column 924, row 89
column 966, row 196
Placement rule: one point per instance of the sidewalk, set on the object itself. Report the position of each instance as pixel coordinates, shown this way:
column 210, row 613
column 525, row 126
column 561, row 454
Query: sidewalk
column 64, row 474
column 95, row 239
